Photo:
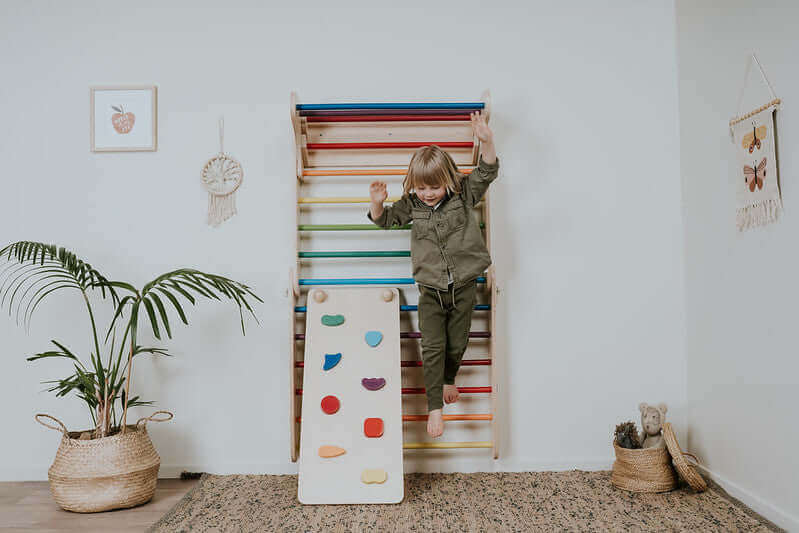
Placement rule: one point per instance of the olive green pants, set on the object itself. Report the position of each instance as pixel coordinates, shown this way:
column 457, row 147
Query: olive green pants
column 444, row 321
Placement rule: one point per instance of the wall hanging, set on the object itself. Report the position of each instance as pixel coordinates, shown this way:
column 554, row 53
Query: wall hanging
column 123, row 119
column 221, row 176
column 754, row 135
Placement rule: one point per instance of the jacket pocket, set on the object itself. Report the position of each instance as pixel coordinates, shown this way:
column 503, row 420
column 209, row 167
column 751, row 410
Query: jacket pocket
column 420, row 228
column 455, row 217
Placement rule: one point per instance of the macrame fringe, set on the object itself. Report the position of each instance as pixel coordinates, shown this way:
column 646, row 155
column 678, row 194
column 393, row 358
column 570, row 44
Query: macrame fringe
column 759, row 214
column 221, row 208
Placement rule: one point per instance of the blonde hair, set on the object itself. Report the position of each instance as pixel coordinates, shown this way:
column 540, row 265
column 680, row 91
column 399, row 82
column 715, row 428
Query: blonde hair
column 434, row 167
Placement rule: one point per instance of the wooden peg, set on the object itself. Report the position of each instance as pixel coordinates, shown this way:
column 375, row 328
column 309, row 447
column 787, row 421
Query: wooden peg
column 319, row 295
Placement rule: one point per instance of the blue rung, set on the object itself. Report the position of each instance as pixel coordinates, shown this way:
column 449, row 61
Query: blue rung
column 478, row 307
column 365, row 281
column 358, row 281
column 384, row 105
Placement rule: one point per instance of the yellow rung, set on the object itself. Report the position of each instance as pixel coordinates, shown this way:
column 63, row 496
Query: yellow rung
column 343, row 200
column 426, row 445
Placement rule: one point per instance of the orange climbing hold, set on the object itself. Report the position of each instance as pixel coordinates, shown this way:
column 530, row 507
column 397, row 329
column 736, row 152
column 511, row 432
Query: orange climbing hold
column 331, row 451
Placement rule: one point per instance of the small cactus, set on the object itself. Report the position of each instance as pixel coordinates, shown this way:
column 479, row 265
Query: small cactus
column 627, row 436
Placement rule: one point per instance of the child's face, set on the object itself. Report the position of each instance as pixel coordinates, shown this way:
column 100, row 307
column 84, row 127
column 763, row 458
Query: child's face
column 430, row 195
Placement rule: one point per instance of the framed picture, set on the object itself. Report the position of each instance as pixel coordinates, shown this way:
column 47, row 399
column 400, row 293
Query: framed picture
column 124, row 118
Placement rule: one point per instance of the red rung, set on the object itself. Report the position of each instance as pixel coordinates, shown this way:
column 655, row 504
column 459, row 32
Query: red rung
column 352, row 146
column 416, row 335
column 421, row 418
column 420, row 390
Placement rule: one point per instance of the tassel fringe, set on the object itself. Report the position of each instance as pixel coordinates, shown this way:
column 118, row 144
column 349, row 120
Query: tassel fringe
column 221, row 208
column 758, row 214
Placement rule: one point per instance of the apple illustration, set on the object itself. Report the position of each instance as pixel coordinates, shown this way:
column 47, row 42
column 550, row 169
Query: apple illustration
column 123, row 122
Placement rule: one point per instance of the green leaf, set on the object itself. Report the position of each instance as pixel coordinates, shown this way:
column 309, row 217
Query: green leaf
column 118, row 313
column 178, row 288
column 175, row 303
column 161, row 311
column 154, row 351
column 43, row 355
column 153, row 322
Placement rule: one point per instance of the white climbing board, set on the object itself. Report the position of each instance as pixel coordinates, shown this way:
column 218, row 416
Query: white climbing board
column 337, row 480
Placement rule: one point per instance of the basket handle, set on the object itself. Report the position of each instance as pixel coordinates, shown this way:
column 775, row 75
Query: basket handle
column 62, row 429
column 153, row 418
column 692, row 456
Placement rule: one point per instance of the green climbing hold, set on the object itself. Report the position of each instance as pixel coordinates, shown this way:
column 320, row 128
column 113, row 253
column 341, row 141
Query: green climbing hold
column 332, row 320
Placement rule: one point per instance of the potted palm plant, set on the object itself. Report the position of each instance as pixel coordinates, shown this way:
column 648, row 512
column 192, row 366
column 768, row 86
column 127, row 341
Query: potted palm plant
column 113, row 464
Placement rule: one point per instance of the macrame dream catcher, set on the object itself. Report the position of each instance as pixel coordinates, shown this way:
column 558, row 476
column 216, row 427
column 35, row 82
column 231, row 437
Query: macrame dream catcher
column 222, row 175
column 757, row 190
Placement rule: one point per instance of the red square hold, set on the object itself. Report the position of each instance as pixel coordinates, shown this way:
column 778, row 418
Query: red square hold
column 373, row 427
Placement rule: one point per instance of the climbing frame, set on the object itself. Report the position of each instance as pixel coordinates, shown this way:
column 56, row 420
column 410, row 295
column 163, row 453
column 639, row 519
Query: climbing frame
column 341, row 145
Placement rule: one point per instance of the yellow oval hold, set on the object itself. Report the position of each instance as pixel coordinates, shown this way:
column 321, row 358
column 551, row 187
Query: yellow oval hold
column 331, row 451
column 374, row 475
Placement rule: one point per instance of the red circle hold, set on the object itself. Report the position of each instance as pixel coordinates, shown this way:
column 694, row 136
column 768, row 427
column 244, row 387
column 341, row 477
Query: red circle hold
column 330, row 404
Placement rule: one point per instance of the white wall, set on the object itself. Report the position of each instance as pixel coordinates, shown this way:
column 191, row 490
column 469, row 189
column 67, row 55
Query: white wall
column 740, row 288
column 588, row 239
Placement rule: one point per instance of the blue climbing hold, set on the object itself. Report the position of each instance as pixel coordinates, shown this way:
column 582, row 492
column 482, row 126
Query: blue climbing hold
column 331, row 360
column 373, row 338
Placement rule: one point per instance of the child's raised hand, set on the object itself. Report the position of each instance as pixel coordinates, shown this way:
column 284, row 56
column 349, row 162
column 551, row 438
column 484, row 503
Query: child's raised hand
column 480, row 127
column 378, row 192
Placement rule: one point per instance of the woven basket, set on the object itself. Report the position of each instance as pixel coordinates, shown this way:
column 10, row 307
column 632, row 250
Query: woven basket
column 643, row 470
column 116, row 472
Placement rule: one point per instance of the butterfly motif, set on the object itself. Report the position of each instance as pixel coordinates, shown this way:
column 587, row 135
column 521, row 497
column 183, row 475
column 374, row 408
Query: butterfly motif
column 752, row 140
column 755, row 176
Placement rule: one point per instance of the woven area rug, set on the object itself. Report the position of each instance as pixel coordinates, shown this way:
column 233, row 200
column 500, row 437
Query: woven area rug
column 497, row 501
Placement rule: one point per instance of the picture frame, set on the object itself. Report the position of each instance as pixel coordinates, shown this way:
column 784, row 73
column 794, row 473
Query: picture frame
column 123, row 118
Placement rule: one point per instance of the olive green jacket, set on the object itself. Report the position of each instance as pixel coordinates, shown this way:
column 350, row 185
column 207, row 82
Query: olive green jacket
column 448, row 237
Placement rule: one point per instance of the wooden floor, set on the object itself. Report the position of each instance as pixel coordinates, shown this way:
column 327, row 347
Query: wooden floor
column 29, row 506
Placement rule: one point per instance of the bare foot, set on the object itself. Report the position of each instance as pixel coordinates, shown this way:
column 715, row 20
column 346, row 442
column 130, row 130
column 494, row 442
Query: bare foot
column 435, row 423
column 451, row 394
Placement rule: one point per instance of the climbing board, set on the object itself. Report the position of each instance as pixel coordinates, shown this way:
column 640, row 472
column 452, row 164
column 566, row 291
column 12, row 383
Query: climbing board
column 351, row 427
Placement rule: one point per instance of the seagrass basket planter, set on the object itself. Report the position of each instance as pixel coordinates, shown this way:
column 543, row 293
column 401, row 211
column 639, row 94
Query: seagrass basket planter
column 643, row 470
column 115, row 472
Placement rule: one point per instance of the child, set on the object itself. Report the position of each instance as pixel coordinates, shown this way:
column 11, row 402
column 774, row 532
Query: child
column 448, row 253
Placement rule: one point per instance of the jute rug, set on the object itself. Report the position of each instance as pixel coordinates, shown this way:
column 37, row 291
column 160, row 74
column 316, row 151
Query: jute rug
column 499, row 501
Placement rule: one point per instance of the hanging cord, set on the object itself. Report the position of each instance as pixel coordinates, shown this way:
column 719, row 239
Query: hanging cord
column 221, row 135
column 774, row 99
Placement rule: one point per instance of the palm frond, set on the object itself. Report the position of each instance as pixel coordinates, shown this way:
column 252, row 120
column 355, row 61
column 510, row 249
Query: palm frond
column 182, row 283
column 36, row 270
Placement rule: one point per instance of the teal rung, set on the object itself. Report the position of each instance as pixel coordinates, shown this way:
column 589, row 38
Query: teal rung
column 365, row 253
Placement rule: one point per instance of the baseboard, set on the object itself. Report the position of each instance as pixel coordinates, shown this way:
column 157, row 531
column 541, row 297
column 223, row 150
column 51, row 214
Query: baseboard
column 174, row 471
column 24, row 473
column 757, row 504
column 414, row 462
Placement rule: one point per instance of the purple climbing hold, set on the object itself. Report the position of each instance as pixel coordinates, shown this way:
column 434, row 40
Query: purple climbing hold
column 373, row 383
